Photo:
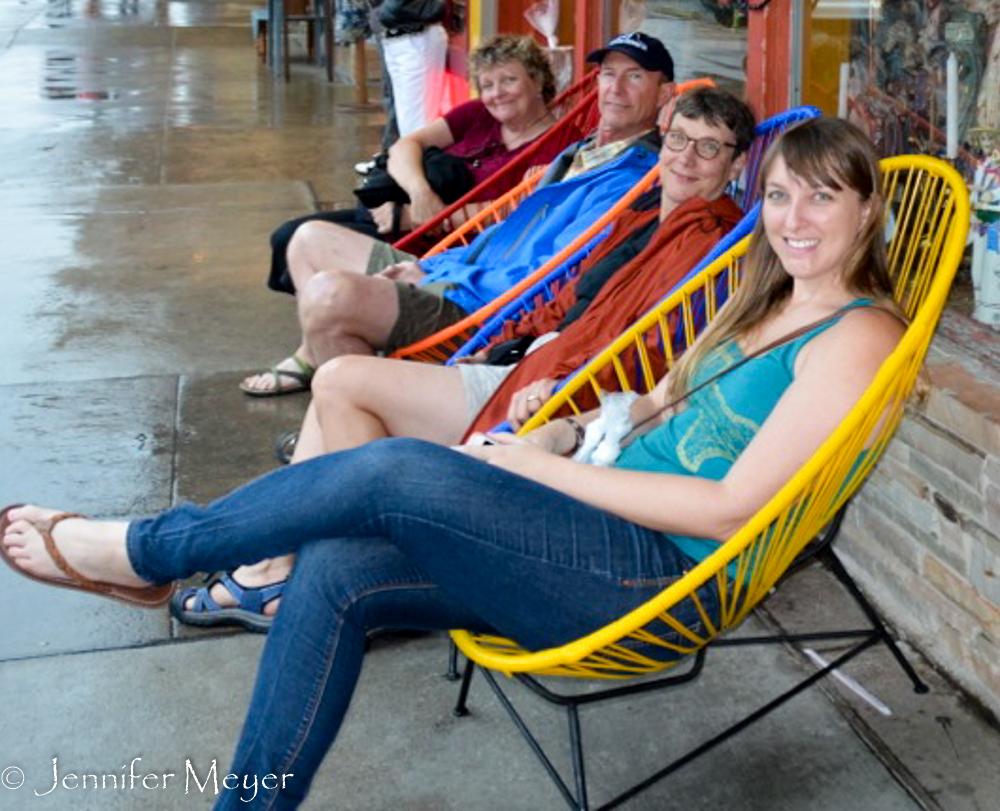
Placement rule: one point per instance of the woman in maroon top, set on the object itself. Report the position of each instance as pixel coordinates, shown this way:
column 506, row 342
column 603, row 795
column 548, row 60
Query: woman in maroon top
column 515, row 86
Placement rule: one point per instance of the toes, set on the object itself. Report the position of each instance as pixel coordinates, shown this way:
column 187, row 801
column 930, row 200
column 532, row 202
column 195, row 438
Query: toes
column 18, row 534
column 16, row 548
column 222, row 596
column 31, row 515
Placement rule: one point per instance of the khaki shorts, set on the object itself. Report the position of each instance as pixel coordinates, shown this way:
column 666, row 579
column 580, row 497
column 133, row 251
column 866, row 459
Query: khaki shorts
column 423, row 311
column 479, row 382
column 383, row 255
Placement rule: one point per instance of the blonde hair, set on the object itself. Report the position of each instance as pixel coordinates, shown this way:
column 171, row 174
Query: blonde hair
column 823, row 152
column 503, row 49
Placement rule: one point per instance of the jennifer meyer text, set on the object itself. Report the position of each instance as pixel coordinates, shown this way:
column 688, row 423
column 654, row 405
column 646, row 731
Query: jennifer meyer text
column 53, row 779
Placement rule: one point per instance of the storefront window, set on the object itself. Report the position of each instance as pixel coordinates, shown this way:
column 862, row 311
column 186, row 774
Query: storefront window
column 894, row 57
column 887, row 65
column 705, row 38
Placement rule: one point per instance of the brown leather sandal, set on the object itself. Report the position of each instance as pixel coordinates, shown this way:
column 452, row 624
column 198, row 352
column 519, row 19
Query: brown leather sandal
column 144, row 596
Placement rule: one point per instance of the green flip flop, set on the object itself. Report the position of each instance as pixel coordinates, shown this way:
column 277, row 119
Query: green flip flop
column 300, row 379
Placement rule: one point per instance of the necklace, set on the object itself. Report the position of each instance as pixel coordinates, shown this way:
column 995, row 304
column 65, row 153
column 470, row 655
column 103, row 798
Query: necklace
column 527, row 134
column 476, row 158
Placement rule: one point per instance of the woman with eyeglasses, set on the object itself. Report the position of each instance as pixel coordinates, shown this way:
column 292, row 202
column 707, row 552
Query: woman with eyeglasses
column 405, row 533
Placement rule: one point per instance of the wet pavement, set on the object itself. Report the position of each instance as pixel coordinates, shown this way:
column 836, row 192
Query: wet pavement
column 148, row 156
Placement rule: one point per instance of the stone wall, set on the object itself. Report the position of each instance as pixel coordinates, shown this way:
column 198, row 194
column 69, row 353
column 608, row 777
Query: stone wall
column 923, row 535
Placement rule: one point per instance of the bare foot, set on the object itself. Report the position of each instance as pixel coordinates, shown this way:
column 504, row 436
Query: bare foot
column 254, row 576
column 95, row 549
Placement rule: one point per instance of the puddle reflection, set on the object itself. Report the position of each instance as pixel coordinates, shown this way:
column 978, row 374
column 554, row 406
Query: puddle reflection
column 78, row 76
column 60, row 13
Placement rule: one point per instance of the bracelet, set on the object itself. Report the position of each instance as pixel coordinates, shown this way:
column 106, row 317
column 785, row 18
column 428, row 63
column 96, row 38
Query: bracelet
column 579, row 430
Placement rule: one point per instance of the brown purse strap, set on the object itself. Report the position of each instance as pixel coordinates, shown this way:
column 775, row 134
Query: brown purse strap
column 784, row 339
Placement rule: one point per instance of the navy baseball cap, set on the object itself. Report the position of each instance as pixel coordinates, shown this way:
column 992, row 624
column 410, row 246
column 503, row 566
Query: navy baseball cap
column 648, row 51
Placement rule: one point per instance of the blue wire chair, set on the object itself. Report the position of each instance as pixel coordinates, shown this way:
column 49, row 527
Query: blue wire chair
column 744, row 192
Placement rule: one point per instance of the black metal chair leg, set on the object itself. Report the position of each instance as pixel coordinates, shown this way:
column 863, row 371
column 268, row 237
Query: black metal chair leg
column 833, row 562
column 452, row 673
column 530, row 739
column 576, row 748
column 461, row 706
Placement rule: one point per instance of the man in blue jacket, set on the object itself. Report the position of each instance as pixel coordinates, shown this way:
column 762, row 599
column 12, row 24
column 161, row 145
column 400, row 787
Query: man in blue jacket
column 377, row 298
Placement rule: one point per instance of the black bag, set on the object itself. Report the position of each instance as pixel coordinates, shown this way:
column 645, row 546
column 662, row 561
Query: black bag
column 403, row 13
column 449, row 176
column 507, row 353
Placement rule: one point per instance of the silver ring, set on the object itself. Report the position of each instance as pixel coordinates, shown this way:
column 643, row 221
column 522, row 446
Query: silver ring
column 534, row 397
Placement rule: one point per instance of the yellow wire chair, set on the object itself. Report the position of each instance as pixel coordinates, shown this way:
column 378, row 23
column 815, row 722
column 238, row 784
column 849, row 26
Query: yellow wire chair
column 927, row 227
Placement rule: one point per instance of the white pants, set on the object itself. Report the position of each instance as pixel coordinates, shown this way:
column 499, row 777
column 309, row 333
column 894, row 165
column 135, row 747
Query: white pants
column 416, row 69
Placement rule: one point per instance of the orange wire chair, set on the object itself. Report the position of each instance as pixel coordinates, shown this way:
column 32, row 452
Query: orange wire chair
column 929, row 224
column 440, row 346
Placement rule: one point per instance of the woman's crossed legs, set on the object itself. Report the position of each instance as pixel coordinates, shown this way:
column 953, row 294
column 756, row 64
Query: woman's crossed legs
column 399, row 533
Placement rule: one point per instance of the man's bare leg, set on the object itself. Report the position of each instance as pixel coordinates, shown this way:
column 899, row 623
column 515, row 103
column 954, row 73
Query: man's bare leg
column 347, row 314
column 314, row 248
column 317, row 246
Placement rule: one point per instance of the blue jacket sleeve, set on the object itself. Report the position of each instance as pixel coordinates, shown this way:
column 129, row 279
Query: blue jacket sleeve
column 540, row 227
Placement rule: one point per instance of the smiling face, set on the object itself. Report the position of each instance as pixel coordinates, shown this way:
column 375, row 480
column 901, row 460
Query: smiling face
column 628, row 97
column 509, row 93
column 812, row 228
column 685, row 175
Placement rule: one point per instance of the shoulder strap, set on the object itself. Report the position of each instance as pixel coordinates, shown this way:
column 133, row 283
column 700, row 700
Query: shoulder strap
column 784, row 339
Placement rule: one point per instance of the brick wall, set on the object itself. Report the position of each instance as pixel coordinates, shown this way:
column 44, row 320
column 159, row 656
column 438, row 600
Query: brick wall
column 923, row 535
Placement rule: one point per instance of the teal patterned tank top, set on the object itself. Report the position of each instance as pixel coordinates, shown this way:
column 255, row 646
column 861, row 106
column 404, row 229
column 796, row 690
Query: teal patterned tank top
column 720, row 420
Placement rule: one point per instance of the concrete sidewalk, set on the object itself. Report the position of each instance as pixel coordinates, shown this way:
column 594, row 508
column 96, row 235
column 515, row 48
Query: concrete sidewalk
column 148, row 158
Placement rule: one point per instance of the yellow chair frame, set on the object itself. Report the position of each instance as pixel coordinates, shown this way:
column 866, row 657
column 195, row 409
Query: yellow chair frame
column 929, row 222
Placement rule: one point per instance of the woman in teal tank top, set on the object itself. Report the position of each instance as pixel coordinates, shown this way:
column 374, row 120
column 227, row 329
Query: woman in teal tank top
column 406, row 534
column 720, row 420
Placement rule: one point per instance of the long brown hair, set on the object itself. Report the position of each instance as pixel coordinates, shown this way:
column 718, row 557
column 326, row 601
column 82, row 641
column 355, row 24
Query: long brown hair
column 827, row 152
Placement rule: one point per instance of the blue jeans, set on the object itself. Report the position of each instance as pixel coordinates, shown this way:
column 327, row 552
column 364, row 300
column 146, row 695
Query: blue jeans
column 397, row 534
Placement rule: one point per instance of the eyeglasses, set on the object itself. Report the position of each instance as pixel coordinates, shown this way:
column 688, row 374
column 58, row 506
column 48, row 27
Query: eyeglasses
column 707, row 148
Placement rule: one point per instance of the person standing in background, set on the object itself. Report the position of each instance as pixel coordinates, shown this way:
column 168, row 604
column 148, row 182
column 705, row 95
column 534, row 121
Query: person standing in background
column 414, row 46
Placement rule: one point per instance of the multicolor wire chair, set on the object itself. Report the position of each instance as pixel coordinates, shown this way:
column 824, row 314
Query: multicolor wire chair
column 929, row 223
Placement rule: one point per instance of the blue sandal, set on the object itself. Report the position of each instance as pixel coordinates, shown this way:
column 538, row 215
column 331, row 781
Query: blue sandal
column 247, row 613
